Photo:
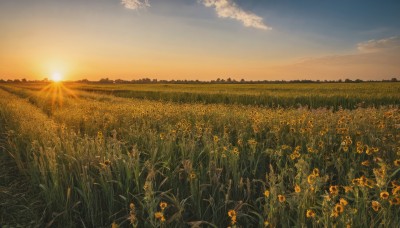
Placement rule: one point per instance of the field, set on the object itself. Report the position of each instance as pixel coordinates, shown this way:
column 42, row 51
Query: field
column 198, row 155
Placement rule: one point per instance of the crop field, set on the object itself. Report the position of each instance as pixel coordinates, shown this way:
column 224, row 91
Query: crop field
column 207, row 155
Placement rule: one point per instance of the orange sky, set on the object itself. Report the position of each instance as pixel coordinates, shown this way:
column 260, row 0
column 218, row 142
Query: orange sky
column 204, row 40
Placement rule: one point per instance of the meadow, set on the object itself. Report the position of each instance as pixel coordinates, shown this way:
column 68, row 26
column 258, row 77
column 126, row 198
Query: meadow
column 163, row 155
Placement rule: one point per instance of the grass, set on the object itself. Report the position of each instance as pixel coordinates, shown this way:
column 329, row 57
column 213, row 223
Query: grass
column 96, row 159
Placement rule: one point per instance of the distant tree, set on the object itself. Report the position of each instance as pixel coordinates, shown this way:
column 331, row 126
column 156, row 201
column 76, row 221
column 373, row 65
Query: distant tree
column 347, row 80
column 23, row 80
column 105, row 81
column 2, row 81
column 393, row 80
column 17, row 81
column 358, row 80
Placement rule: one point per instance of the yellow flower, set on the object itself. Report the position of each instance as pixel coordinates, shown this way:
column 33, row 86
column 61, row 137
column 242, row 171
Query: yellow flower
column 281, row 198
column 232, row 213
column 339, row 208
column 334, row 189
column 384, row 195
column 334, row 214
column 395, row 201
column 310, row 214
column 266, row 193
column 158, row 215
column 397, row 162
column 396, row 190
column 348, row 188
column 216, row 139
column 315, row 172
column 233, row 220
column 297, row 188
column 365, row 163
column 343, row 202
column 376, row 205
column 163, row 205
column 192, row 175
column 311, row 179
column 114, row 225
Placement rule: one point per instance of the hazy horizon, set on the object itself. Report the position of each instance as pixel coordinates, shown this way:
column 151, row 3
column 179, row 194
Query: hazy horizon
column 200, row 39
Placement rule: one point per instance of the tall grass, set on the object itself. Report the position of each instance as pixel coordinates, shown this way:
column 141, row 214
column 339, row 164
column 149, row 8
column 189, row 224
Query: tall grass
column 98, row 159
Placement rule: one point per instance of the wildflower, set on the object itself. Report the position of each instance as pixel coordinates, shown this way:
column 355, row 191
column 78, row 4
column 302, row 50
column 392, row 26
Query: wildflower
column 334, row 214
column 365, row 163
column 384, row 195
column 334, row 189
column 376, row 205
column 266, row 193
column 232, row 213
column 192, row 175
column 345, row 148
column 343, row 202
column 114, row 225
column 163, row 205
column 158, row 215
column 235, row 151
column 311, row 179
column 281, row 198
column 396, row 162
column 396, row 190
column 315, row 172
column 339, row 208
column 266, row 223
column 395, row 201
column 297, row 188
column 216, row 139
column 360, row 149
column 348, row 188
column 310, row 214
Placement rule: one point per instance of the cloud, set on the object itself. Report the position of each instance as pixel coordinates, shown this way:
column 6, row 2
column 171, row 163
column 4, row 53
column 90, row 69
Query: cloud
column 229, row 9
column 135, row 4
column 379, row 45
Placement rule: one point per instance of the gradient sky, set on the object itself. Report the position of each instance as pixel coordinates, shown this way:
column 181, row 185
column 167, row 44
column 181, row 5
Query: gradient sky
column 200, row 39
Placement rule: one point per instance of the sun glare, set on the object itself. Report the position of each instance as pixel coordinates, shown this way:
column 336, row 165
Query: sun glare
column 56, row 77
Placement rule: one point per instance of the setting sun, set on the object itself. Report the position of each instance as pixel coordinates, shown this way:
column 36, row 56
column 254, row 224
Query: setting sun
column 56, row 77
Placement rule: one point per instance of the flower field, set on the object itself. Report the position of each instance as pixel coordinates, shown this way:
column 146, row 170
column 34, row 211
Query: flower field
column 81, row 156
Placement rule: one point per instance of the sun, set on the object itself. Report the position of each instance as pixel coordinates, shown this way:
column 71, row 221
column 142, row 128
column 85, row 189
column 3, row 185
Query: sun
column 56, row 77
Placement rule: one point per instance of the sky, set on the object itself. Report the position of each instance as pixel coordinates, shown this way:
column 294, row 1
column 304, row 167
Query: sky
column 200, row 39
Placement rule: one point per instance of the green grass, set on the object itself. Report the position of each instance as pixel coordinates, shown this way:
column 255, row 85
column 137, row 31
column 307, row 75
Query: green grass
column 314, row 95
column 89, row 156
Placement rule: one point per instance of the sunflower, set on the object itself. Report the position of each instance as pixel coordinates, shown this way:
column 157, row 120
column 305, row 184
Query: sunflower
column 384, row 195
column 297, row 188
column 310, row 214
column 163, row 205
column 232, row 213
column 395, row 201
column 315, row 172
column 266, row 193
column 376, row 205
column 343, row 202
column 281, row 198
column 334, row 189
column 339, row 208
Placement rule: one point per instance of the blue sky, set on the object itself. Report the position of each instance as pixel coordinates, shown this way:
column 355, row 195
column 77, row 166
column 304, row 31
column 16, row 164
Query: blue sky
column 200, row 39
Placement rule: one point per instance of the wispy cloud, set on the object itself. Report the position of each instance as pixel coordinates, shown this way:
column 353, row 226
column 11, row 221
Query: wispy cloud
column 135, row 4
column 379, row 45
column 229, row 9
